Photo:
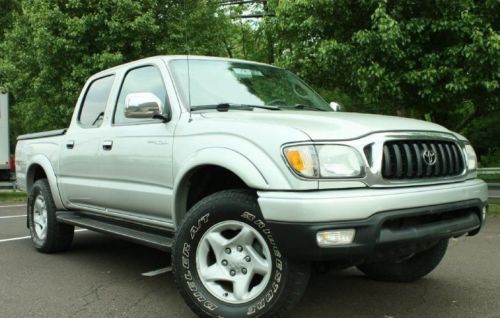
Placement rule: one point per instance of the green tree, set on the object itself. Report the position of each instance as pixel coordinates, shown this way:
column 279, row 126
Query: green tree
column 9, row 7
column 438, row 60
column 54, row 46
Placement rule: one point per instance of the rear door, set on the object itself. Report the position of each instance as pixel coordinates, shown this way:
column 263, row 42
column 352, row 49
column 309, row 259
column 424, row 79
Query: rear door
column 79, row 168
column 136, row 156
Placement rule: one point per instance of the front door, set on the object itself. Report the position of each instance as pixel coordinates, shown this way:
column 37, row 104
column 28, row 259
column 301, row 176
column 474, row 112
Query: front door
column 136, row 154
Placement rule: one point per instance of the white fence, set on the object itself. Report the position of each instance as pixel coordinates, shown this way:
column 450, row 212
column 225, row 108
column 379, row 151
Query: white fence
column 6, row 185
column 488, row 170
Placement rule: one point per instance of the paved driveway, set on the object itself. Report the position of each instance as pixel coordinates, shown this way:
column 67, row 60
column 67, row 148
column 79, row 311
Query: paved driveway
column 101, row 277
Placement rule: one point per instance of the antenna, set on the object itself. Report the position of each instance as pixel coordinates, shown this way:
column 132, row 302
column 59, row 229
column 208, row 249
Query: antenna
column 189, row 85
column 186, row 29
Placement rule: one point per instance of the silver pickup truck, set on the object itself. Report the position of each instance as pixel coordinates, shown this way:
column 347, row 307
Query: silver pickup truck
column 248, row 178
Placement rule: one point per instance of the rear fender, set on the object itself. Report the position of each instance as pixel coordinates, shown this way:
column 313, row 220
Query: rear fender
column 45, row 164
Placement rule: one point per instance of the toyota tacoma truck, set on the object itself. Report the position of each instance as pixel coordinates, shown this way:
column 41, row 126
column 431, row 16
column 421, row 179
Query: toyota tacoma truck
column 247, row 177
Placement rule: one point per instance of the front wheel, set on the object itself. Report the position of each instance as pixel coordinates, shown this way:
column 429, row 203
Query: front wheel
column 408, row 269
column 227, row 263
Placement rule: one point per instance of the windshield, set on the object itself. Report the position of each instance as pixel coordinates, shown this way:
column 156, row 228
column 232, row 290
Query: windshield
column 214, row 82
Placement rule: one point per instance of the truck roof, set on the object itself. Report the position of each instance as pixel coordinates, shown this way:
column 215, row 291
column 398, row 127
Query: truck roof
column 168, row 58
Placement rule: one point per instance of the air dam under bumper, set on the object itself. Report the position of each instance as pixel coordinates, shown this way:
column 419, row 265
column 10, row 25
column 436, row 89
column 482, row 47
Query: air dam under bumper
column 396, row 220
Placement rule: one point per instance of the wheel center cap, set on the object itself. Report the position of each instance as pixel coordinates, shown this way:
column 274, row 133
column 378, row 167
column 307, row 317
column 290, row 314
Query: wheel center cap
column 235, row 263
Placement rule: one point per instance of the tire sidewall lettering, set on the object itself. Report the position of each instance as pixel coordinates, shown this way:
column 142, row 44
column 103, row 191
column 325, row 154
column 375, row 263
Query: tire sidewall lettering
column 261, row 302
column 196, row 292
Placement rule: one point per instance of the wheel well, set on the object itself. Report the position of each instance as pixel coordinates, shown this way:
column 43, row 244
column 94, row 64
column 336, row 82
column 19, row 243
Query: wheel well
column 35, row 173
column 202, row 182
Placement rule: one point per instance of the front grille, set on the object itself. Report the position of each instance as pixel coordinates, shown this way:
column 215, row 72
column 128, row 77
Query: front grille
column 415, row 159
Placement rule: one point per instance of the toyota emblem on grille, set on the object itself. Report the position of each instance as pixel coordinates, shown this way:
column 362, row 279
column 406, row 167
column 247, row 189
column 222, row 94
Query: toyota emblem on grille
column 429, row 157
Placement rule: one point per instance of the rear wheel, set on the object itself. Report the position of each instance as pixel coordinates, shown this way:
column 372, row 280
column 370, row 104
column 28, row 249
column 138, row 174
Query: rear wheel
column 227, row 264
column 409, row 268
column 47, row 235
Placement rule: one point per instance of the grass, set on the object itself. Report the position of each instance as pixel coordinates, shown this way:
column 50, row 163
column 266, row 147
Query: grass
column 490, row 177
column 494, row 210
column 12, row 197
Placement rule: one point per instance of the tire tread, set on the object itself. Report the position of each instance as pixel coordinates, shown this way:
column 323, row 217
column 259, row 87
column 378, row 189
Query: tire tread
column 408, row 270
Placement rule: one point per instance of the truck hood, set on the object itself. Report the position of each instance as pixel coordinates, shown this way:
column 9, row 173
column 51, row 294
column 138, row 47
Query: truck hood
column 328, row 125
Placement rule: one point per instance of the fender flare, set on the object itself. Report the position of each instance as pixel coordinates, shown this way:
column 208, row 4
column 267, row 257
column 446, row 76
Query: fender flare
column 225, row 158
column 46, row 165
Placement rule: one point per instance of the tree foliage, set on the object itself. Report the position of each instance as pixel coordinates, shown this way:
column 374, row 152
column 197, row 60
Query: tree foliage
column 53, row 46
column 437, row 60
column 9, row 7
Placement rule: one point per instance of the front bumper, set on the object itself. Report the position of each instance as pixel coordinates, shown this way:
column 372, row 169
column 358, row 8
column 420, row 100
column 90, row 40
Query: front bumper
column 387, row 221
column 357, row 204
column 384, row 235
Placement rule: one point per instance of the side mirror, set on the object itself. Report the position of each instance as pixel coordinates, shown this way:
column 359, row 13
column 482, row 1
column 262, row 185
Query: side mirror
column 336, row 107
column 142, row 105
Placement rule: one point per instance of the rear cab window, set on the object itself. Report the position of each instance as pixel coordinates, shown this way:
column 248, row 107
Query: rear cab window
column 95, row 101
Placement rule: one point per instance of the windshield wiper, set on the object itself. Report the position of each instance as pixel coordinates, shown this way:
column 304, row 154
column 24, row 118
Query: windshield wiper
column 302, row 106
column 224, row 107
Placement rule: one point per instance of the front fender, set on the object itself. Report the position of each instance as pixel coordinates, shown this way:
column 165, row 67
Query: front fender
column 226, row 158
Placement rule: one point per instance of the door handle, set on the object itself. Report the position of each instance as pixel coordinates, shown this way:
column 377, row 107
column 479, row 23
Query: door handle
column 107, row 145
column 70, row 144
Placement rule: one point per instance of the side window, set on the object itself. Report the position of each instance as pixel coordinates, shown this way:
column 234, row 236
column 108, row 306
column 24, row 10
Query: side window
column 146, row 79
column 94, row 103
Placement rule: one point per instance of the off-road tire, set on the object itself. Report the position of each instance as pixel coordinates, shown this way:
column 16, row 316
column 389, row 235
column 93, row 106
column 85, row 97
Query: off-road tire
column 288, row 279
column 407, row 270
column 59, row 237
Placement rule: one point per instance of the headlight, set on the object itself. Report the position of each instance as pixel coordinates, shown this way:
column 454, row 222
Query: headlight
column 325, row 161
column 471, row 158
column 338, row 161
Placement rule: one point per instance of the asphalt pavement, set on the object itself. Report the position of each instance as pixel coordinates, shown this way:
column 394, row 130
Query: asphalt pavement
column 102, row 277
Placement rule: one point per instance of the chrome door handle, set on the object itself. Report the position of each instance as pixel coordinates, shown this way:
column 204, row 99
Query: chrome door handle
column 70, row 144
column 107, row 145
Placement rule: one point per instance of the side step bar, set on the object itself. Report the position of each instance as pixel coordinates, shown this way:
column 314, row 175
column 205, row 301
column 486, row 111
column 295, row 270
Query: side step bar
column 161, row 241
